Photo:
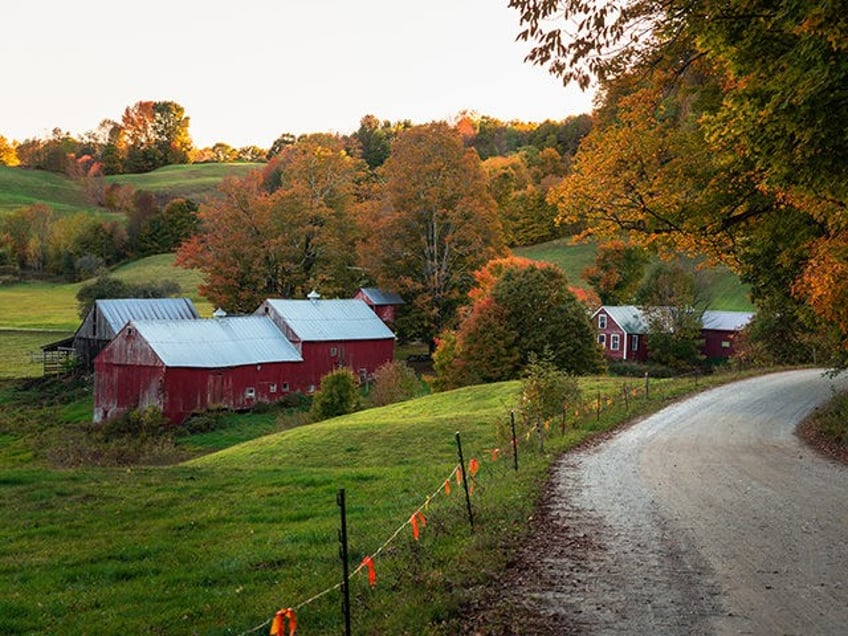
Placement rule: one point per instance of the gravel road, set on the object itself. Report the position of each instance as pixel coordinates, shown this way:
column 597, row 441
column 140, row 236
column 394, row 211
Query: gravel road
column 710, row 517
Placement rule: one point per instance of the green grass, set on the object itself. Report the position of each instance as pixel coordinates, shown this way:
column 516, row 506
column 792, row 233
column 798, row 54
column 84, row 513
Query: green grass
column 21, row 351
column 43, row 305
column 726, row 291
column 192, row 181
column 217, row 544
column 20, row 187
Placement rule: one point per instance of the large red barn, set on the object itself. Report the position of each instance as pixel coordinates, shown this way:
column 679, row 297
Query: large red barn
column 188, row 366
column 332, row 333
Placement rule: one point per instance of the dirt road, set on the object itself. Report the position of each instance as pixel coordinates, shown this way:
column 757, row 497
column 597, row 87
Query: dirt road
column 709, row 517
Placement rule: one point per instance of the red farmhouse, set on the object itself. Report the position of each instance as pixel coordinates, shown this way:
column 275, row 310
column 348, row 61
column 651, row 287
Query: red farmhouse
column 383, row 303
column 187, row 366
column 332, row 333
column 719, row 331
column 621, row 332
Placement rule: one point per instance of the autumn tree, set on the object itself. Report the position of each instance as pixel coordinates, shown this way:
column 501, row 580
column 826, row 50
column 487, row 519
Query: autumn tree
column 8, row 155
column 617, row 272
column 520, row 310
column 763, row 136
column 375, row 139
column 437, row 225
column 156, row 134
column 281, row 230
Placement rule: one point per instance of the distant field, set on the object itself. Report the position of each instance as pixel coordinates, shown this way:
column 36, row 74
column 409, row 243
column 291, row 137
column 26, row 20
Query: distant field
column 193, row 181
column 726, row 290
column 21, row 187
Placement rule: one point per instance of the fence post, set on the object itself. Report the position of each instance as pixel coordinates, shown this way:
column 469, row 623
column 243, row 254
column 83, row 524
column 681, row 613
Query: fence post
column 514, row 441
column 465, row 482
column 340, row 500
column 598, row 408
column 647, row 386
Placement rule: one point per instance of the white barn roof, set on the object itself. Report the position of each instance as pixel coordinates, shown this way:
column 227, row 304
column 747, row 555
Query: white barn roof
column 119, row 311
column 320, row 320
column 725, row 320
column 628, row 317
column 217, row 343
column 380, row 297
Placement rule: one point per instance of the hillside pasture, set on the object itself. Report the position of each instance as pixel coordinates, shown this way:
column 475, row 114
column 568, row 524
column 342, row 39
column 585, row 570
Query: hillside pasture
column 724, row 289
column 23, row 187
column 218, row 544
column 191, row 181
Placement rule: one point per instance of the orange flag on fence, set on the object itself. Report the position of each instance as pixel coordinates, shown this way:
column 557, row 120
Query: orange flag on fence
column 278, row 625
column 447, row 486
column 458, row 477
column 414, row 520
column 495, row 452
column 473, row 466
column 372, row 574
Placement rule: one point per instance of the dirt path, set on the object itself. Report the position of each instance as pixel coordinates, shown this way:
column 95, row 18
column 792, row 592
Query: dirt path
column 709, row 517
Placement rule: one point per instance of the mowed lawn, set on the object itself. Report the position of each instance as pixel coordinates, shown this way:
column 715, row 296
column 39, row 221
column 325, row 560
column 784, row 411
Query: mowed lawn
column 218, row 544
column 194, row 181
column 22, row 187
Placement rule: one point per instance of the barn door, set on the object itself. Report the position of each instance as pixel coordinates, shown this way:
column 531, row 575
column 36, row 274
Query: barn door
column 216, row 390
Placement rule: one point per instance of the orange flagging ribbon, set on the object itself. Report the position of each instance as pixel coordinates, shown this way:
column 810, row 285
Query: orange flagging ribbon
column 278, row 625
column 372, row 574
column 458, row 477
column 414, row 520
column 447, row 486
column 495, row 452
column 473, row 466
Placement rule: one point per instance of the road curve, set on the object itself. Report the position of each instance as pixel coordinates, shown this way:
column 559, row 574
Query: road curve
column 709, row 517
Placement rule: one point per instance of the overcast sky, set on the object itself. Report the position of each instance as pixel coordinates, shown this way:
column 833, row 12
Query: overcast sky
column 248, row 70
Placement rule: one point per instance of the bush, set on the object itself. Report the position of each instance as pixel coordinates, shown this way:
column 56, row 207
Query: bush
column 394, row 382
column 141, row 424
column 338, row 395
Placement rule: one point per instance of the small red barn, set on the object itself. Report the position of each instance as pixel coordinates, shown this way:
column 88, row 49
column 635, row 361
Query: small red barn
column 332, row 333
column 188, row 366
column 383, row 303
column 720, row 329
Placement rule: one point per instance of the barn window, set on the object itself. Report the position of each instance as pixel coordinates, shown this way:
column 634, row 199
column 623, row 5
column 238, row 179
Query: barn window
column 725, row 344
column 272, row 388
column 602, row 339
column 250, row 393
column 634, row 342
column 602, row 321
column 334, row 351
column 615, row 341
column 285, row 386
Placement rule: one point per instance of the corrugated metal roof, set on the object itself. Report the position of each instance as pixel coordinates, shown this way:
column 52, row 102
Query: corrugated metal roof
column 629, row 317
column 726, row 320
column 331, row 319
column 217, row 343
column 119, row 311
column 379, row 297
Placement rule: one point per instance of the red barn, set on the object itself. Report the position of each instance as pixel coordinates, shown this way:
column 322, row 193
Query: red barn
column 188, row 366
column 383, row 303
column 719, row 331
column 332, row 333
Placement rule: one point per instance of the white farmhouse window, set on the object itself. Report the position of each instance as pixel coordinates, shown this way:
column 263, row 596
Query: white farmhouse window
column 602, row 339
column 250, row 393
column 615, row 342
column 602, row 321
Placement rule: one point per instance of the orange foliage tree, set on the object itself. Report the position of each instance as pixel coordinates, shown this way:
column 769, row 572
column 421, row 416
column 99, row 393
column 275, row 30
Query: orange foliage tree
column 282, row 230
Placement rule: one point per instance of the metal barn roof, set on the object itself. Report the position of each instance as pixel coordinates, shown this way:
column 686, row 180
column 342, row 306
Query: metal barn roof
column 329, row 320
column 217, row 343
column 629, row 317
column 119, row 311
column 379, row 297
column 725, row 320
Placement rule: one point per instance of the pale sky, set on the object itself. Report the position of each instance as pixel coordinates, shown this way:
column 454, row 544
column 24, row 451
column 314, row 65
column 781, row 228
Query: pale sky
column 248, row 70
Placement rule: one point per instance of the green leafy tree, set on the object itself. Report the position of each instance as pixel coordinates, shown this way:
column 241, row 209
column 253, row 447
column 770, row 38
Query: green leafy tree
column 166, row 230
column 338, row 395
column 394, row 381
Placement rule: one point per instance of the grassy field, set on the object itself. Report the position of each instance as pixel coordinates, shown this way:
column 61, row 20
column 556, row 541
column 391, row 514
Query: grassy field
column 192, row 181
column 20, row 187
column 726, row 290
column 217, row 544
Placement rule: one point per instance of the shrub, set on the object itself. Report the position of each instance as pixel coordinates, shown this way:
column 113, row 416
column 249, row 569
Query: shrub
column 338, row 395
column 394, row 382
